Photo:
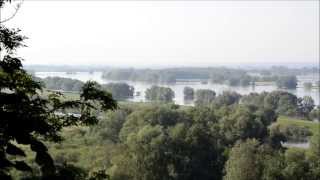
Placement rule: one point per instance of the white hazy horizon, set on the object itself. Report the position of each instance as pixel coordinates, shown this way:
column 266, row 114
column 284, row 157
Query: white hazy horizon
column 179, row 33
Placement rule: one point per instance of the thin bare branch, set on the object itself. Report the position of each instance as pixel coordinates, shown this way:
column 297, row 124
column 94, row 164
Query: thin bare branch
column 14, row 14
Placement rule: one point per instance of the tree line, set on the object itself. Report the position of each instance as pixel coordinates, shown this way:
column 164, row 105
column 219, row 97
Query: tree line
column 220, row 75
column 284, row 103
column 156, row 141
column 119, row 91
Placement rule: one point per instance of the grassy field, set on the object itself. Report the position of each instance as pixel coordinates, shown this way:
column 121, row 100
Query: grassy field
column 313, row 126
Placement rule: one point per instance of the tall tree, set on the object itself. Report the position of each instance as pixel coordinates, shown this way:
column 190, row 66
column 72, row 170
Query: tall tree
column 243, row 161
column 188, row 93
column 120, row 91
column 305, row 106
column 161, row 94
column 204, row 96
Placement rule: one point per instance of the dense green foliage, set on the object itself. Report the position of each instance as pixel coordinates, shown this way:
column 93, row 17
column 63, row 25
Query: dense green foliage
column 120, row 91
column 292, row 132
column 305, row 106
column 144, row 141
column 158, row 93
column 288, row 121
column 251, row 160
column 227, row 98
column 243, row 162
column 282, row 102
column 204, row 96
column 157, row 141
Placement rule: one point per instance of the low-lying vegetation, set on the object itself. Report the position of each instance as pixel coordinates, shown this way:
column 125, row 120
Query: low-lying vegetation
column 314, row 127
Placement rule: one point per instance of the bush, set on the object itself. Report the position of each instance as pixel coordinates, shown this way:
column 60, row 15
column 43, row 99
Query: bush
column 289, row 82
column 157, row 93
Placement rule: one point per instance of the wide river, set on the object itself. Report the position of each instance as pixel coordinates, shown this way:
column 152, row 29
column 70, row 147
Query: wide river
column 178, row 87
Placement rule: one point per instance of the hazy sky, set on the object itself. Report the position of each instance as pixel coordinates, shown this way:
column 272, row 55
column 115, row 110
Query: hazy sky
column 169, row 33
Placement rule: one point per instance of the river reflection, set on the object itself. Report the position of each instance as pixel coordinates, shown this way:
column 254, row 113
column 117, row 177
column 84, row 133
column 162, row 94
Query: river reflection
column 179, row 86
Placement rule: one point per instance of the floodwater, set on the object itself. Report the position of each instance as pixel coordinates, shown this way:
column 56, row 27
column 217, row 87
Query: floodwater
column 179, row 86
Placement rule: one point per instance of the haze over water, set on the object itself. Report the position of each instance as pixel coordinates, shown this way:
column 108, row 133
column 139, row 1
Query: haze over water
column 178, row 87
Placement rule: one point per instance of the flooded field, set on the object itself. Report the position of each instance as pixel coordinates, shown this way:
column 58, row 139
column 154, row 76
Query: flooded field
column 178, row 87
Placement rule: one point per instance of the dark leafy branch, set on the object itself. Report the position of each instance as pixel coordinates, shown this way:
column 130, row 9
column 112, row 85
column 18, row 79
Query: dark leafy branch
column 28, row 118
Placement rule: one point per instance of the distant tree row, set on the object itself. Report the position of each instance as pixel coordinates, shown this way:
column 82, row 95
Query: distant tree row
column 229, row 76
column 284, row 103
column 232, row 77
column 161, row 94
column 120, row 91
column 65, row 84
column 286, row 71
column 287, row 82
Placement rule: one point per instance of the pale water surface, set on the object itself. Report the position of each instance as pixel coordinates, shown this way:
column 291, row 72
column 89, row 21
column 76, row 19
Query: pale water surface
column 178, row 87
